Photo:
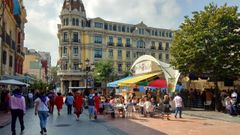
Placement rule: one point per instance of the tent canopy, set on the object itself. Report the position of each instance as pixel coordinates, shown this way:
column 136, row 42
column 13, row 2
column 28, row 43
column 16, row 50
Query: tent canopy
column 13, row 82
column 134, row 80
column 115, row 83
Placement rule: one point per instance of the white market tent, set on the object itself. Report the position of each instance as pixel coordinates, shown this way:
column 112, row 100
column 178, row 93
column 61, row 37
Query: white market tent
column 13, row 82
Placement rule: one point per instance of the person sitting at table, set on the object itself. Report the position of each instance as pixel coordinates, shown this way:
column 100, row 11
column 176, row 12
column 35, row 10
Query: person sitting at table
column 141, row 105
column 148, row 108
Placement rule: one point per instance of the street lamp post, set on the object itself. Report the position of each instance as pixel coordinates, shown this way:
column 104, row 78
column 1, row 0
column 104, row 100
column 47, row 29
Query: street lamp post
column 88, row 68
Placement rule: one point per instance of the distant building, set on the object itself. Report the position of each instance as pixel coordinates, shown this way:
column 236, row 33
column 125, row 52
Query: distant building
column 36, row 65
column 81, row 38
column 12, row 23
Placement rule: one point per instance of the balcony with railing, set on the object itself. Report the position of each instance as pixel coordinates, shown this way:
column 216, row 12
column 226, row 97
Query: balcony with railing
column 119, row 45
column 65, row 40
column 128, row 45
column 70, row 72
column 75, row 40
column 110, row 44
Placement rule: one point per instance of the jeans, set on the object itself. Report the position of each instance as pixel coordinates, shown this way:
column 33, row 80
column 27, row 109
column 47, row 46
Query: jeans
column 43, row 118
column 17, row 113
column 178, row 109
column 91, row 110
column 69, row 109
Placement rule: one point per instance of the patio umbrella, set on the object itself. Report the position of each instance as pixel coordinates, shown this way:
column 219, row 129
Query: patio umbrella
column 158, row 83
column 13, row 82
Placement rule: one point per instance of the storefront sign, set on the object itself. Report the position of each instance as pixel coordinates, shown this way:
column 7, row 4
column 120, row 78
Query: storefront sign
column 143, row 67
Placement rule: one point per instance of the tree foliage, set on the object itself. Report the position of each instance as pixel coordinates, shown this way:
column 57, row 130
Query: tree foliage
column 103, row 71
column 209, row 42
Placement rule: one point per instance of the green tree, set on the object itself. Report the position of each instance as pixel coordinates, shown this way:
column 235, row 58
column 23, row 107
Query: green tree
column 209, row 42
column 54, row 78
column 103, row 71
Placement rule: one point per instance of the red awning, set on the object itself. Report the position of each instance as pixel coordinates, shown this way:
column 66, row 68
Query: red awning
column 158, row 84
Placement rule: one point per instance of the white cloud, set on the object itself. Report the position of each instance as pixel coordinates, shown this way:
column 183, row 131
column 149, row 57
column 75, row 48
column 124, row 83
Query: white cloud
column 155, row 13
column 43, row 17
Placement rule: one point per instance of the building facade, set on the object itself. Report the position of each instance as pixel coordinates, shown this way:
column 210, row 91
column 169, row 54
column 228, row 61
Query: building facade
column 36, row 64
column 81, row 38
column 12, row 22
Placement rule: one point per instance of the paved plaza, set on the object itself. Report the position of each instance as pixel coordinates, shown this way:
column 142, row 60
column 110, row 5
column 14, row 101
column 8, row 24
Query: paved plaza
column 189, row 125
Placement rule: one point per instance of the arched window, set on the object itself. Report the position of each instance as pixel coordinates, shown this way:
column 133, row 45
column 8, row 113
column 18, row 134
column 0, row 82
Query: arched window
column 140, row 44
column 77, row 22
column 73, row 21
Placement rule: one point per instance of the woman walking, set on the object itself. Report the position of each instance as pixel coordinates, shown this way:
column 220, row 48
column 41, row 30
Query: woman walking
column 78, row 104
column 166, row 105
column 41, row 108
column 18, row 109
column 69, row 102
column 96, row 103
column 59, row 102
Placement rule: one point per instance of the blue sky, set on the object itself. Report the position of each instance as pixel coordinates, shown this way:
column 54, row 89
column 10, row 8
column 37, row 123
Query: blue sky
column 43, row 16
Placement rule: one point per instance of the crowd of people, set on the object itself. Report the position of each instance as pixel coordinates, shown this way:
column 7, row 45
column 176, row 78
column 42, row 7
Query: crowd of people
column 149, row 103
column 227, row 101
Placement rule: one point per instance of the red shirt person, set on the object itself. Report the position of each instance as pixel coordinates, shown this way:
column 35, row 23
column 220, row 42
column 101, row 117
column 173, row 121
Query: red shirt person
column 78, row 104
column 96, row 102
column 59, row 102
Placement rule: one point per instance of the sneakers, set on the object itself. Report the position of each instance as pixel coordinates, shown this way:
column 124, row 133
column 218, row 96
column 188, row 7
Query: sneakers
column 45, row 130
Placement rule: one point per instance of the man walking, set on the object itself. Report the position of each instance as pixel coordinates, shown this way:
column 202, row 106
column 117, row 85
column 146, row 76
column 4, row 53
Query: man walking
column 18, row 109
column 178, row 104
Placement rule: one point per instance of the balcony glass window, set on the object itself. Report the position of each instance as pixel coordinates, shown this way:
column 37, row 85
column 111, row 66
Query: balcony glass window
column 110, row 40
column 119, row 28
column 160, row 56
column 105, row 26
column 110, row 27
column 110, row 53
column 77, row 22
column 73, row 21
column 123, row 28
column 10, row 61
column 75, row 66
column 128, row 42
column 153, row 45
column 167, row 56
column 75, row 51
column 160, row 34
column 119, row 54
column 98, row 39
column 4, row 57
column 114, row 28
column 98, row 53
column 170, row 34
column 160, row 46
column 64, row 50
column 163, row 34
column 128, row 30
column 119, row 67
column 65, row 37
column 98, row 25
column 128, row 54
column 75, row 36
column 140, row 44
column 167, row 46
column 119, row 41
column 66, row 21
